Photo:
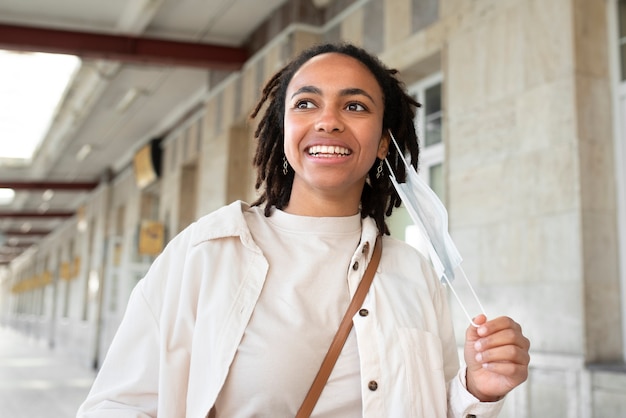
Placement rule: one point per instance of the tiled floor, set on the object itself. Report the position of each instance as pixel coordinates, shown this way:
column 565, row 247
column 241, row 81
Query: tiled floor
column 37, row 382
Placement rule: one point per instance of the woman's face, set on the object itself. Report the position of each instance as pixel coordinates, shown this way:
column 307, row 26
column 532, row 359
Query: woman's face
column 333, row 127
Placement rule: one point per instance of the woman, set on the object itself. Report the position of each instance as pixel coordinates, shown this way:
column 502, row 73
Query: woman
column 236, row 315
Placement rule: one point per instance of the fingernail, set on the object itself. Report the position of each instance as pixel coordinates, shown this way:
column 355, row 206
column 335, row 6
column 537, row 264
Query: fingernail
column 479, row 357
column 478, row 346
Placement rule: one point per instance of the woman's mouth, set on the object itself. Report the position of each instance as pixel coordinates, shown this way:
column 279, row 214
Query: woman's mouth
column 327, row 151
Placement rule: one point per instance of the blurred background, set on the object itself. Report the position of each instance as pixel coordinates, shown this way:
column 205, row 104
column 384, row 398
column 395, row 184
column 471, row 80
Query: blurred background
column 123, row 121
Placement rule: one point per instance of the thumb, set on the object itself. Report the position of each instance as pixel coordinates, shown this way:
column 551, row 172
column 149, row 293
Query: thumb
column 471, row 334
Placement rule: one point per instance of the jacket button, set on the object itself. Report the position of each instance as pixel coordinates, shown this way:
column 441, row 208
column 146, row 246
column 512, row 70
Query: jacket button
column 470, row 416
column 364, row 312
column 355, row 266
column 366, row 247
column 372, row 385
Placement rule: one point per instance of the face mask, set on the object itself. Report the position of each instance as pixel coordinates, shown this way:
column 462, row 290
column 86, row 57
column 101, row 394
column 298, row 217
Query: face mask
column 431, row 218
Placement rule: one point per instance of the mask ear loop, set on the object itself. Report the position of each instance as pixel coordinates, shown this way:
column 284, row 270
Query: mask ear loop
column 480, row 305
column 444, row 276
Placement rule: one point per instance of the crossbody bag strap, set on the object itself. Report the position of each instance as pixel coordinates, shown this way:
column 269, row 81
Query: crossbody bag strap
column 341, row 336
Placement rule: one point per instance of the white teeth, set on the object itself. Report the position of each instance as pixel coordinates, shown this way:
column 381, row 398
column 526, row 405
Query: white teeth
column 328, row 150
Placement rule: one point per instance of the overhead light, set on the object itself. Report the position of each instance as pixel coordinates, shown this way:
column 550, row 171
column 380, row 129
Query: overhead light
column 26, row 227
column 83, row 152
column 43, row 208
column 128, row 99
column 6, row 196
column 47, row 195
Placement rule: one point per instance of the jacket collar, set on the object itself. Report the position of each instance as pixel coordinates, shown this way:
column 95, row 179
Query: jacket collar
column 229, row 221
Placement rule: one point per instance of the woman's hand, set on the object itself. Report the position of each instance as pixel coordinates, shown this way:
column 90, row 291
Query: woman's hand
column 496, row 354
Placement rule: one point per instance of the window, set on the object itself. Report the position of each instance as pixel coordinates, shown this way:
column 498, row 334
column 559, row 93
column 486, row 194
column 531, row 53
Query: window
column 428, row 122
column 431, row 120
column 621, row 15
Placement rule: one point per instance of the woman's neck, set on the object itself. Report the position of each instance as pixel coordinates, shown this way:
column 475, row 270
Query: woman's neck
column 322, row 206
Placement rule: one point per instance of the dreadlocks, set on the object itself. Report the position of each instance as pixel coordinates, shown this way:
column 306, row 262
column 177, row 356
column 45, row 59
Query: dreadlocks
column 275, row 177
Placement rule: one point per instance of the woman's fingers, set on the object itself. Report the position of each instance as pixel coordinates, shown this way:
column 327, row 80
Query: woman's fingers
column 504, row 353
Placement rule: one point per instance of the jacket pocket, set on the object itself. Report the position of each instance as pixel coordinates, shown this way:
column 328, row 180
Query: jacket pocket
column 422, row 353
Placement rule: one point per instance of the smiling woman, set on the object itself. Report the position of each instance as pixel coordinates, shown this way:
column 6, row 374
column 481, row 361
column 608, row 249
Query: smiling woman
column 236, row 315
column 31, row 88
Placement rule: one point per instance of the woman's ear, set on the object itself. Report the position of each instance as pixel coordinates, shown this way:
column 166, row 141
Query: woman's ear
column 383, row 147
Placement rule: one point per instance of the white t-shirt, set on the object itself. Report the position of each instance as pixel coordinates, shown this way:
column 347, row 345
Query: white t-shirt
column 299, row 310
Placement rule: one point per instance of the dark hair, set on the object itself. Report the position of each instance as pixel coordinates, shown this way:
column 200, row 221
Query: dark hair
column 378, row 197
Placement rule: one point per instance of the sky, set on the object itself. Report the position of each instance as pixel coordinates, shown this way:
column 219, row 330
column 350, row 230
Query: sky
column 31, row 87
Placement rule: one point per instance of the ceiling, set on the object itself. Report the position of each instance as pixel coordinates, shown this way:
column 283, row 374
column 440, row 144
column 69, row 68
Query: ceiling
column 120, row 98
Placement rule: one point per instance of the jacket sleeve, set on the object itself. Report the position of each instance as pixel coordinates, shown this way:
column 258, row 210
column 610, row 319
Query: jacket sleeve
column 127, row 383
column 462, row 404
column 134, row 380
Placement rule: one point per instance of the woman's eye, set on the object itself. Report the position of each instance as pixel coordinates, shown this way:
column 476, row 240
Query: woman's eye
column 304, row 104
column 356, row 107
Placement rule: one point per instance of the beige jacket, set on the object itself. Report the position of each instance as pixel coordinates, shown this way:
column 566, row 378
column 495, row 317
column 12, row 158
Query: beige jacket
column 185, row 319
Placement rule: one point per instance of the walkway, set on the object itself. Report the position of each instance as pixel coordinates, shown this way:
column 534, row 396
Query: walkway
column 36, row 382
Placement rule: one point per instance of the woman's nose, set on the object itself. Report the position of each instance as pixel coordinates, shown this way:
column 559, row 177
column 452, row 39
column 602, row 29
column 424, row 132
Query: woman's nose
column 329, row 121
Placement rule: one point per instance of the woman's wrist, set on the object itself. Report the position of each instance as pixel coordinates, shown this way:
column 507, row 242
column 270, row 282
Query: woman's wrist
column 471, row 388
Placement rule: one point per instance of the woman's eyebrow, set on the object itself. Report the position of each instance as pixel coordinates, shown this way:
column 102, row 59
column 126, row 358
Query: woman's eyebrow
column 353, row 91
column 307, row 89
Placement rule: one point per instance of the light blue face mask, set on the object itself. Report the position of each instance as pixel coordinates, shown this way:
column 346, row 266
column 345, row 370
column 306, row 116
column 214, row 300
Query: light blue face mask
column 431, row 218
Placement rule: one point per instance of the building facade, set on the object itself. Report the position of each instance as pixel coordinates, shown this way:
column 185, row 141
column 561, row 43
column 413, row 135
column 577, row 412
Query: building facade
column 523, row 137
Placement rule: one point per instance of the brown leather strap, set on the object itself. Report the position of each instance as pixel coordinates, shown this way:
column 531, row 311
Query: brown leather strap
column 341, row 336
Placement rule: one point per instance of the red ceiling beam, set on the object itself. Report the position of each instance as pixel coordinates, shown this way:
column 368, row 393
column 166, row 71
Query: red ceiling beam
column 17, row 246
column 58, row 214
column 47, row 185
column 121, row 48
column 32, row 232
